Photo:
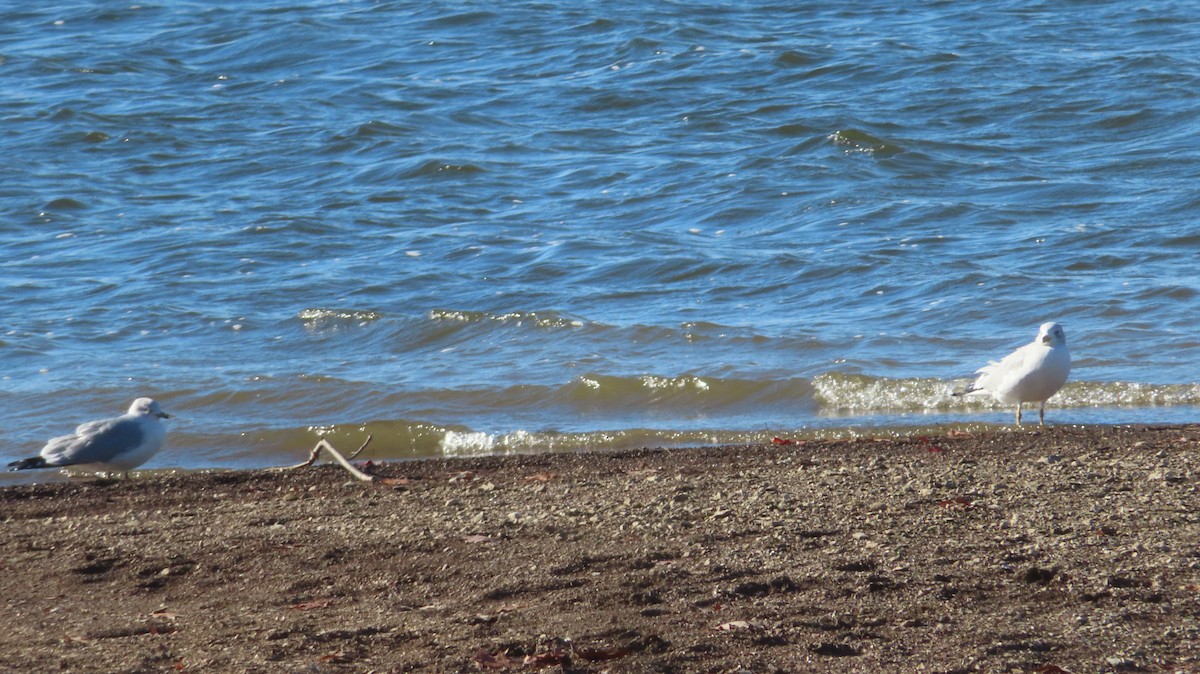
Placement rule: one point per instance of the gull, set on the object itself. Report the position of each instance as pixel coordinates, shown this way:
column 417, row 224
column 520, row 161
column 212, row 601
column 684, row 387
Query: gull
column 1031, row 374
column 118, row 444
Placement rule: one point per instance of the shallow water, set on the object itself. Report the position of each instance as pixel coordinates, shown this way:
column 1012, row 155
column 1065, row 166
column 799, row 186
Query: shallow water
column 573, row 227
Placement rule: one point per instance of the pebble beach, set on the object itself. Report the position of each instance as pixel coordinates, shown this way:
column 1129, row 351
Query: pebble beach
column 1061, row 549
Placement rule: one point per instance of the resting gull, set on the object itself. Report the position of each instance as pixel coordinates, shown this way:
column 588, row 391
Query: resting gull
column 118, row 444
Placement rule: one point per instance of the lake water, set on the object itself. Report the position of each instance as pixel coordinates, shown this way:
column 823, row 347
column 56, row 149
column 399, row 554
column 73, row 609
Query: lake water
column 469, row 228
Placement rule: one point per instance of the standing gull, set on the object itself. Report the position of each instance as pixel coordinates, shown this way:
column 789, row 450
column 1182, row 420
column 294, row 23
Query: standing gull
column 1031, row 374
column 118, row 444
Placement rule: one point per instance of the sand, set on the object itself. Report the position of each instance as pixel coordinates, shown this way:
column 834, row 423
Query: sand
column 1063, row 549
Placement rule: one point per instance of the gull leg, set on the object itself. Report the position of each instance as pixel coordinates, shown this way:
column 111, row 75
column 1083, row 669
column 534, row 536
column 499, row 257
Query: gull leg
column 1042, row 414
column 1018, row 415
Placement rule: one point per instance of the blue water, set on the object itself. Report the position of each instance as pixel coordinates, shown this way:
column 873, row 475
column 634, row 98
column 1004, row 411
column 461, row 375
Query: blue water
column 467, row 227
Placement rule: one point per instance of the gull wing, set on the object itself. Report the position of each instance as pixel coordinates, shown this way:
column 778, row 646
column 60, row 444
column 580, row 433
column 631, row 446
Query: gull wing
column 1014, row 366
column 94, row 442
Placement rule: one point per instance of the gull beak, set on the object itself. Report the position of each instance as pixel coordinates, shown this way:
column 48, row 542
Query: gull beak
column 1046, row 339
column 163, row 415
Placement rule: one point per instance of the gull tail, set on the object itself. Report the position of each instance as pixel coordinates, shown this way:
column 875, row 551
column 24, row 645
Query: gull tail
column 967, row 391
column 24, row 464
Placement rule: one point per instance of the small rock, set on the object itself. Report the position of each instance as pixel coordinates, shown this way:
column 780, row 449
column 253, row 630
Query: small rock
column 1039, row 575
column 783, row 584
column 740, row 626
column 752, row 589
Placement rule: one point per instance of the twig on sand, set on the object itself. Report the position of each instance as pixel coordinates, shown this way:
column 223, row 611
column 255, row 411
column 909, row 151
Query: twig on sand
column 337, row 456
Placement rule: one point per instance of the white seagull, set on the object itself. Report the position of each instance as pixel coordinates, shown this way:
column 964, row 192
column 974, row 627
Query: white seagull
column 118, row 444
column 1031, row 374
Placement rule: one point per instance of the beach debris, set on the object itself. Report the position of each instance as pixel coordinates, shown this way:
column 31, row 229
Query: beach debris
column 741, row 626
column 1052, row 669
column 496, row 660
column 958, row 503
column 154, row 628
column 550, row 658
column 601, row 654
column 834, row 649
column 547, row 652
column 312, row 604
column 342, row 460
column 928, row 444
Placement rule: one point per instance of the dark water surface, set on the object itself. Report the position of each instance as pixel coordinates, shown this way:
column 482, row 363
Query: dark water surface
column 471, row 227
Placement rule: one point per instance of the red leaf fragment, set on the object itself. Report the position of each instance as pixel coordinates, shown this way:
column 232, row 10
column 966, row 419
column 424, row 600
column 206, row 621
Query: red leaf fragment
column 781, row 441
column 539, row 477
column 497, row 660
column 958, row 503
column 551, row 658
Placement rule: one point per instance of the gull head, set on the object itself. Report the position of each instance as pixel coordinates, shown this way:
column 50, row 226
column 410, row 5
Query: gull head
column 1051, row 334
column 147, row 407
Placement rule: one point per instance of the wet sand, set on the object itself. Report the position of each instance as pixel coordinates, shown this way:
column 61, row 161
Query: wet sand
column 1063, row 549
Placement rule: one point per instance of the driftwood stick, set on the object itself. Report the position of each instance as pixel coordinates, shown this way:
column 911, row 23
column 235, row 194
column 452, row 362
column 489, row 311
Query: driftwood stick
column 337, row 456
column 360, row 448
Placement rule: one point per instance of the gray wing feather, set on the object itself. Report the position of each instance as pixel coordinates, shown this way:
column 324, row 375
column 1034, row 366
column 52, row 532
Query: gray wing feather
column 95, row 442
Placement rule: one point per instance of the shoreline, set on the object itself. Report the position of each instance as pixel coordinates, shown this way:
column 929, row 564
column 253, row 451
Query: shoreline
column 1075, row 548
